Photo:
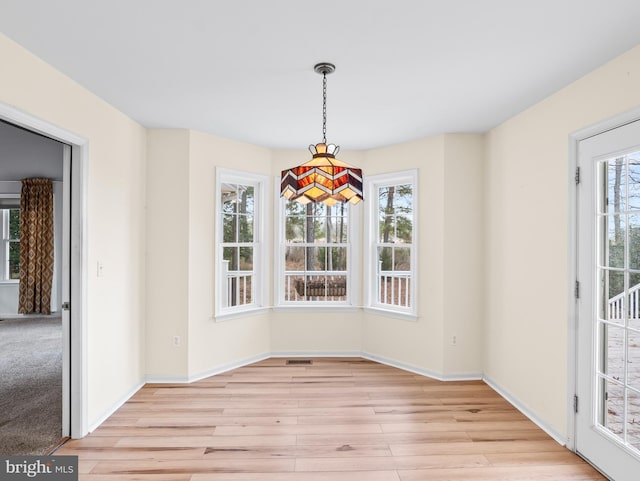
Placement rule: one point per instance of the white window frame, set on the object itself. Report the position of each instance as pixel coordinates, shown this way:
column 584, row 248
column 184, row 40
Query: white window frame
column 353, row 243
column 8, row 202
column 259, row 274
column 372, row 184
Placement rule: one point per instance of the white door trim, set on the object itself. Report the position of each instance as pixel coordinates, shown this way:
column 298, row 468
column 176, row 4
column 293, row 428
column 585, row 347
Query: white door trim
column 78, row 257
column 572, row 349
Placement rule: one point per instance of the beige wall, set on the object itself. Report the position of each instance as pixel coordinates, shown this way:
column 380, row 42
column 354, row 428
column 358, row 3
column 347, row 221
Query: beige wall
column 214, row 345
column 115, row 217
column 416, row 343
column 526, row 236
column 450, row 260
column 463, row 254
column 167, row 290
column 180, row 250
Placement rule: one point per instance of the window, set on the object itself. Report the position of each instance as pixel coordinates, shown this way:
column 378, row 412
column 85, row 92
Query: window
column 10, row 255
column 391, row 252
column 315, row 263
column 239, row 256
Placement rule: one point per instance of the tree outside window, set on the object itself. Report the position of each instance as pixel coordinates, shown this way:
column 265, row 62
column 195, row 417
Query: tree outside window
column 14, row 244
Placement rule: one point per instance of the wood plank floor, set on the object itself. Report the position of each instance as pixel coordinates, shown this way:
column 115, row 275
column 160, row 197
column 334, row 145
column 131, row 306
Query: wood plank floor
column 336, row 420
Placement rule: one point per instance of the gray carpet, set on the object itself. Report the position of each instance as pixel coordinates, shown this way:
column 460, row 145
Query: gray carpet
column 30, row 385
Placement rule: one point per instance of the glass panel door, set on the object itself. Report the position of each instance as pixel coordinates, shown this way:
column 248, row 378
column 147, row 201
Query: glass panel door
column 608, row 383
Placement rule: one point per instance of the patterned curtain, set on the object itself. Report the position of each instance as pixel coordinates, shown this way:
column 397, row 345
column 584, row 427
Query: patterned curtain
column 36, row 246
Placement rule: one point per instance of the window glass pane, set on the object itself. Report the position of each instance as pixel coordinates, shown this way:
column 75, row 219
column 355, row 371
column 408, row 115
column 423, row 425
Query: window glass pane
column 402, row 259
column 294, row 288
column 633, row 166
column 294, row 258
column 295, row 228
column 387, row 229
column 14, row 224
column 229, row 228
column 614, row 288
column 633, row 299
column 245, row 229
column 246, row 259
column 295, row 208
column 245, row 289
column 633, row 366
column 337, row 260
column 634, row 241
column 404, row 228
column 403, row 199
column 616, row 234
column 314, row 231
column 316, row 286
column 230, row 254
column 383, row 199
column 14, row 260
column 616, row 186
column 239, row 290
column 337, row 286
column 633, row 418
column 613, row 411
column 247, row 200
column 385, row 258
column 613, row 363
column 229, row 197
column 337, row 230
column 319, row 256
column 317, row 210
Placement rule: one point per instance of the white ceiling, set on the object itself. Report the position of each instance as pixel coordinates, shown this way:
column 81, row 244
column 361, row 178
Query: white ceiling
column 243, row 69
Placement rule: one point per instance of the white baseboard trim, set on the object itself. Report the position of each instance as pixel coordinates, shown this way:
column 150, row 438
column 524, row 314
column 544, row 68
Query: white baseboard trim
column 153, row 379
column 526, row 411
column 228, row 367
column 208, row 373
column 464, row 376
column 296, row 354
column 109, row 412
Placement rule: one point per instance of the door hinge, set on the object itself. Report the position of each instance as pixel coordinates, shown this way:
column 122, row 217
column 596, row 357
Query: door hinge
column 575, row 403
column 577, row 290
column 577, row 177
column 66, row 306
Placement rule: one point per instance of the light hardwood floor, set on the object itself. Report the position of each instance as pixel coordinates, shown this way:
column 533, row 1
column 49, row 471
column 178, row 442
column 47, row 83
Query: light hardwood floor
column 345, row 419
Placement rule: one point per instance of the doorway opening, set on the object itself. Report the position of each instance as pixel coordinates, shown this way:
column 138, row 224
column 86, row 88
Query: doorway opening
column 71, row 293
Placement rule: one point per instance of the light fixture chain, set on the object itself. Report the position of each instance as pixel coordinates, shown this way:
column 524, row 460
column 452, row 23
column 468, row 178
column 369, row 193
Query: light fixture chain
column 324, row 107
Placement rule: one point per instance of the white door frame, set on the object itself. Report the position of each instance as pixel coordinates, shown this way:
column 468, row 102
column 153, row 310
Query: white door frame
column 572, row 371
column 78, row 259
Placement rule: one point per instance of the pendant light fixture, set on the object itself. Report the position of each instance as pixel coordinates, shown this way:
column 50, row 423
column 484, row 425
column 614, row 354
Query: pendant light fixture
column 324, row 178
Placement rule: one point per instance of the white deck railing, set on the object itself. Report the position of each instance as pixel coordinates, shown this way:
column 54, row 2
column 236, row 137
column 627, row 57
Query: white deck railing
column 616, row 304
column 238, row 286
column 395, row 288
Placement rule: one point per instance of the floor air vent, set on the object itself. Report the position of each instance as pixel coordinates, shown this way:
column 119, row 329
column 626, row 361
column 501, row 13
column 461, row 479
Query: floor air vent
column 299, row 362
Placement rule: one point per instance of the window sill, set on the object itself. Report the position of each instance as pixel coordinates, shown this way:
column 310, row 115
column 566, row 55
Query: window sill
column 316, row 308
column 378, row 311
column 10, row 282
column 228, row 316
